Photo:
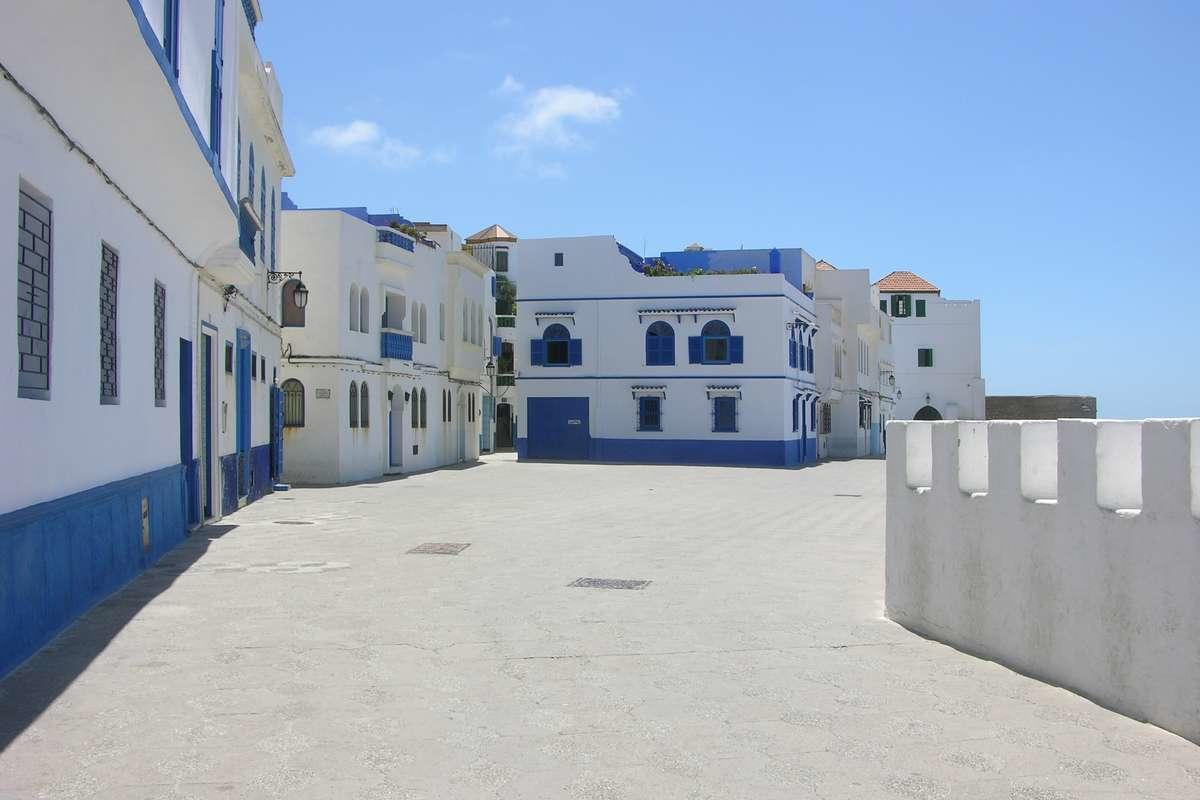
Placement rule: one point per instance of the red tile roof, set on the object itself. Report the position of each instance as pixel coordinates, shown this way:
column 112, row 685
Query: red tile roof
column 904, row 281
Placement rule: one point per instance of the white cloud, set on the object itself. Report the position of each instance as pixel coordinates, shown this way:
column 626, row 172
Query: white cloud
column 550, row 119
column 365, row 139
column 509, row 86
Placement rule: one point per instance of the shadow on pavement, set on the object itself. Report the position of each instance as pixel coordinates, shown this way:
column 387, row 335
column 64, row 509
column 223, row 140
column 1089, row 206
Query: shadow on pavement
column 30, row 689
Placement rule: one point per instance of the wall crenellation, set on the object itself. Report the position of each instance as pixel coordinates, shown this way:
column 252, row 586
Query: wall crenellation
column 1067, row 550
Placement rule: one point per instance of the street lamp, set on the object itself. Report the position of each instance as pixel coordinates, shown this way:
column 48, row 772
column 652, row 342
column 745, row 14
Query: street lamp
column 299, row 292
column 490, row 369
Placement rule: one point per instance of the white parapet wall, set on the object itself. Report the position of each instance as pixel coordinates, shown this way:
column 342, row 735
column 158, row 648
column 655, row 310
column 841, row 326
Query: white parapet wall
column 1068, row 550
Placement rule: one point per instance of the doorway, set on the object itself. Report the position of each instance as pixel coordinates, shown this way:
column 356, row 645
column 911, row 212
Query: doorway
column 504, row 426
column 206, row 421
column 395, row 429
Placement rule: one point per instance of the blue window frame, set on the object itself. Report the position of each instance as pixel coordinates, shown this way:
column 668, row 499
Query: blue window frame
column 812, row 416
column 715, row 345
column 792, row 351
column 660, row 345
column 171, row 34
column 796, row 413
column 724, row 415
column 214, row 88
column 809, row 362
column 649, row 413
column 262, row 215
column 556, row 348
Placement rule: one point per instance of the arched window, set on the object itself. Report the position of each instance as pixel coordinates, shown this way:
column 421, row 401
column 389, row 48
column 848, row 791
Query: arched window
column 364, row 415
column 354, row 306
column 424, row 405
column 660, row 345
column 364, row 314
column 449, row 406
column 796, row 413
column 293, row 403
column 416, row 408
column 443, row 405
column 424, row 323
column 716, row 342
column 557, row 342
column 291, row 314
column 353, row 404
column 928, row 413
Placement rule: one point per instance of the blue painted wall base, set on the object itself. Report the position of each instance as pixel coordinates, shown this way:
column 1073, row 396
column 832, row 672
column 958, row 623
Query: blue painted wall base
column 61, row 557
column 740, row 452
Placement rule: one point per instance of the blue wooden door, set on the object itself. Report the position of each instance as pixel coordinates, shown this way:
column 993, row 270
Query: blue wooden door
column 276, row 433
column 243, row 412
column 558, row 427
column 206, row 416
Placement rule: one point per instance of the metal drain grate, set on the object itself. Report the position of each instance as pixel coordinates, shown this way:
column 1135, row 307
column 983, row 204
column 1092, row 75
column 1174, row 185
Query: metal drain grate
column 292, row 522
column 608, row 583
column 441, row 548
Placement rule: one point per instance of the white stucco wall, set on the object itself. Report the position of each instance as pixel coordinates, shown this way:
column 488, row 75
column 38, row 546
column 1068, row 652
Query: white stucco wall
column 954, row 383
column 1067, row 550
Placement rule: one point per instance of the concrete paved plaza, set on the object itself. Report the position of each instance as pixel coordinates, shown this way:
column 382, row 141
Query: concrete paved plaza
column 299, row 651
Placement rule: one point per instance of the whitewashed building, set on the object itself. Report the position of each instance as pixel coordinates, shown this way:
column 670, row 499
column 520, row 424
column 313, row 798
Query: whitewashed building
column 383, row 370
column 495, row 248
column 855, row 370
column 698, row 356
column 144, row 326
column 937, row 350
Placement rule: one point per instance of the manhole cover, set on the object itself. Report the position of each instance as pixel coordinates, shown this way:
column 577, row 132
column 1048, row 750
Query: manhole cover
column 441, row 548
column 292, row 522
column 608, row 583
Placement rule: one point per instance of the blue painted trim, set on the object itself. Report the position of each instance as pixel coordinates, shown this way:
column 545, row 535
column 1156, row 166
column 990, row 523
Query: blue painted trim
column 168, row 71
column 728, row 376
column 741, row 452
column 715, row 296
column 60, row 557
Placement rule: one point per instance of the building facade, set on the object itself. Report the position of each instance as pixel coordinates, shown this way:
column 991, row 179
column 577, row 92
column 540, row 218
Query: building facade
column 937, row 350
column 383, row 370
column 693, row 357
column 855, row 370
column 145, row 327
column 495, row 248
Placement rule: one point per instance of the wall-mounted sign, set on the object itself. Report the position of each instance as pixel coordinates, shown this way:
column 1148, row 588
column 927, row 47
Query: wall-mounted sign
column 323, row 394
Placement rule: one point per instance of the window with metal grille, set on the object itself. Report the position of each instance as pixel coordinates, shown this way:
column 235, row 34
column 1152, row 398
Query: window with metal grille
column 160, row 344
column 254, row 366
column 826, row 418
column 229, row 358
column 293, row 403
column 924, row 356
column 262, row 369
column 649, row 413
column 364, row 416
column 33, row 296
column 108, row 325
column 415, row 406
column 353, row 404
column 424, row 405
column 724, row 415
column 558, row 259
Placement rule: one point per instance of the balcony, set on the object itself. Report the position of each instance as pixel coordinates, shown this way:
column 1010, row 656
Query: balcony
column 394, row 344
column 394, row 237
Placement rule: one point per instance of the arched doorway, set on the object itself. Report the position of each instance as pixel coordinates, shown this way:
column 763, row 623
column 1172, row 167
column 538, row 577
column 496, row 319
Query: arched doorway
column 504, row 426
column 395, row 429
column 928, row 414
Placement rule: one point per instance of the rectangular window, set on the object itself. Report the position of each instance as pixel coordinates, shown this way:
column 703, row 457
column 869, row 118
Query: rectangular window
column 160, row 344
column 901, row 305
column 229, row 358
column 558, row 259
column 33, row 295
column 557, row 352
column 254, row 365
column 924, row 356
column 724, row 415
column 920, row 308
column 649, row 413
column 716, row 349
column 826, row 418
column 501, row 261
column 262, row 369
column 883, row 306
column 108, row 325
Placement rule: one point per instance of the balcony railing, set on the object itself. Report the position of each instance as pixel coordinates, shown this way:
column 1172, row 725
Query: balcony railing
column 388, row 236
column 506, row 380
column 393, row 344
column 506, row 321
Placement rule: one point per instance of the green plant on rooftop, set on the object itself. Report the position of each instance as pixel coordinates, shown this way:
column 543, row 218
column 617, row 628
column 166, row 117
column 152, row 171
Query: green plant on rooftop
column 657, row 268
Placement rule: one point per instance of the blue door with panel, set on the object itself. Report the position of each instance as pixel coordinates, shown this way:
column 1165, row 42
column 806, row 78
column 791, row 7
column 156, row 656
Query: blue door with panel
column 558, row 428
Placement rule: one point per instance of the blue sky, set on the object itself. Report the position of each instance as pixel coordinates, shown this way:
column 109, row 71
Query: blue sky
column 1044, row 158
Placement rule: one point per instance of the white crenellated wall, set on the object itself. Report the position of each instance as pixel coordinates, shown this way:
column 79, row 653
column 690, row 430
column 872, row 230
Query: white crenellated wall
column 1068, row 550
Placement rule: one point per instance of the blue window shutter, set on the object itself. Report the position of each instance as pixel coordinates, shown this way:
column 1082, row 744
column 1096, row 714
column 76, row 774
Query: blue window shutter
column 666, row 351
column 735, row 350
column 493, row 286
column 810, row 358
column 574, row 352
column 792, row 352
column 695, row 349
column 495, row 345
column 537, row 352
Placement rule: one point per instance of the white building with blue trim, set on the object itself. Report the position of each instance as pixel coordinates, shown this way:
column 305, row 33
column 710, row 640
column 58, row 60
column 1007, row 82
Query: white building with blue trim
column 383, row 370
column 140, row 160
column 698, row 356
